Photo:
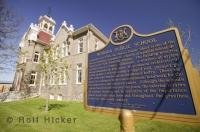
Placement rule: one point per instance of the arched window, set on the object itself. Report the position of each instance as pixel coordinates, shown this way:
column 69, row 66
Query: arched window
column 45, row 26
column 50, row 28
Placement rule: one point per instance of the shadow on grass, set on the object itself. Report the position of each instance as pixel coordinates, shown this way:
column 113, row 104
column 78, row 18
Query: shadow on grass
column 53, row 106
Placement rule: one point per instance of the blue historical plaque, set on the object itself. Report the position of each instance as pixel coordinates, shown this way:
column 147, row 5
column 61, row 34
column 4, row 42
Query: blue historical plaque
column 139, row 73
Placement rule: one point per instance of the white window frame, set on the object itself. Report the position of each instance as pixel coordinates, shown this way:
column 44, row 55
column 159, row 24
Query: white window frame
column 63, row 77
column 38, row 54
column 35, row 77
column 79, row 73
column 65, row 49
column 80, row 45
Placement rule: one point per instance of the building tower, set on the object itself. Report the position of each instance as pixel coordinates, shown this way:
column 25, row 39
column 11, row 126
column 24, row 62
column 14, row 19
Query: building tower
column 31, row 46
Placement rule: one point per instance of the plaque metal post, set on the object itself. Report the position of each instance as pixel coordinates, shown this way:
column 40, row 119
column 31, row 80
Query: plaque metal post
column 127, row 121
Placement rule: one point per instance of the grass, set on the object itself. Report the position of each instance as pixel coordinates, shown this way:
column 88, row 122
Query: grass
column 12, row 113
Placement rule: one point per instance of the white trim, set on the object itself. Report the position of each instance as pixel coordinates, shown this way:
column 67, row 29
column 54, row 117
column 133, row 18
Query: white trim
column 62, row 78
column 80, row 45
column 38, row 59
column 66, row 47
column 35, row 74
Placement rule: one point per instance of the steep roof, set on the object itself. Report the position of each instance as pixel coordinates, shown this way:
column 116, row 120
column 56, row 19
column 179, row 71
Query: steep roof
column 44, row 38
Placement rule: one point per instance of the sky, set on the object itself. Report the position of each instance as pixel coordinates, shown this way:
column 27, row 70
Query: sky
column 145, row 16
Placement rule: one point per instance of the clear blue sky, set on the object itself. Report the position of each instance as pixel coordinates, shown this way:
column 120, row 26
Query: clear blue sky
column 145, row 16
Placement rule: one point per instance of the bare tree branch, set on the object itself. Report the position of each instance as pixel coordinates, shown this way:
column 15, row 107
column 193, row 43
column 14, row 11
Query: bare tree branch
column 9, row 26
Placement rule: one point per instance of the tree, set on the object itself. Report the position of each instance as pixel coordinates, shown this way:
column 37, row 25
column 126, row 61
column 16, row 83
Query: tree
column 9, row 24
column 52, row 68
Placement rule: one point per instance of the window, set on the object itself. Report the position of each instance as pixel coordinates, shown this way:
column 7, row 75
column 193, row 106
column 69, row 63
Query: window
column 45, row 26
column 63, row 77
column 65, row 49
column 96, row 46
column 53, row 77
column 50, row 28
column 80, row 45
column 79, row 74
column 36, row 57
column 33, row 78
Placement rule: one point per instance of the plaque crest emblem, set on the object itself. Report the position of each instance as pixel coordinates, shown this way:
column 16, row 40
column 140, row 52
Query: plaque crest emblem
column 121, row 34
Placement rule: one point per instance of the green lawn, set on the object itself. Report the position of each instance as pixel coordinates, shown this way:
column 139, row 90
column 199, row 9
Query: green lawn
column 29, row 116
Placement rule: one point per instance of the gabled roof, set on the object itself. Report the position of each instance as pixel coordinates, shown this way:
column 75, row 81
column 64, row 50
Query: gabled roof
column 92, row 28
